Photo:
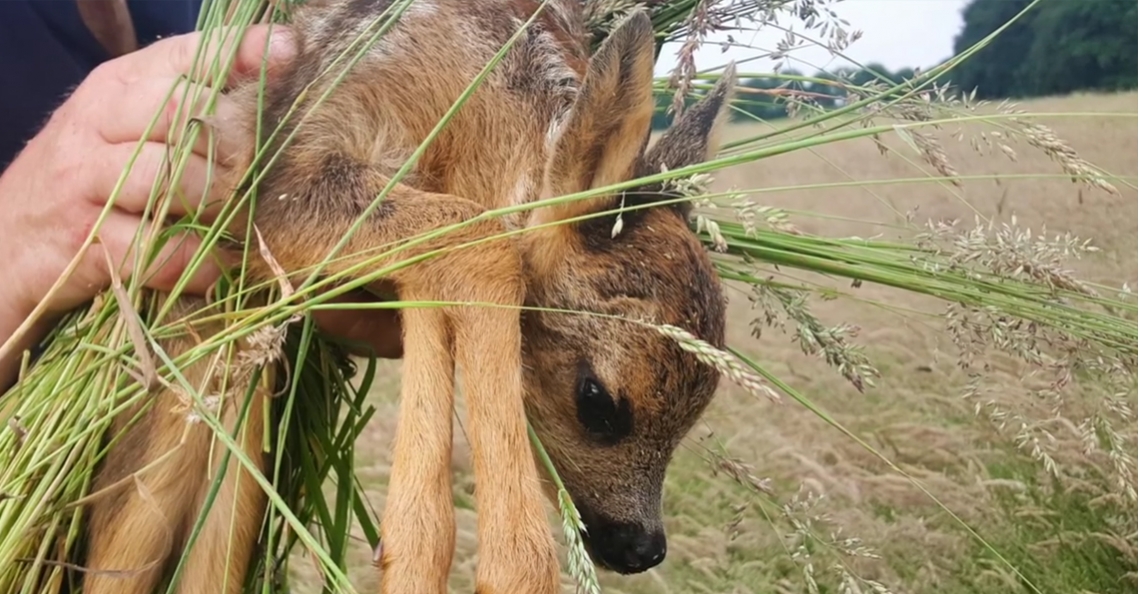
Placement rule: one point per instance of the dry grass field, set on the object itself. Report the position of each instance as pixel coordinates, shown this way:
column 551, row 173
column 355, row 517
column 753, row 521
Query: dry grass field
column 727, row 538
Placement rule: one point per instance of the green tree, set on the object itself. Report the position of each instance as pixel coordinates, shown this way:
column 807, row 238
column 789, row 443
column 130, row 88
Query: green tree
column 1081, row 45
column 825, row 93
column 872, row 73
column 662, row 119
column 992, row 70
column 1059, row 46
column 903, row 74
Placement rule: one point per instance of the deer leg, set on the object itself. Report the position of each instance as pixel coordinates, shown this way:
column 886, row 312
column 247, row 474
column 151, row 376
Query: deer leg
column 516, row 547
column 220, row 555
column 157, row 477
column 418, row 530
column 135, row 525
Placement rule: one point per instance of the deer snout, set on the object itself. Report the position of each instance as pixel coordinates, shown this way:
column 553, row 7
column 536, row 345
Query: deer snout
column 625, row 547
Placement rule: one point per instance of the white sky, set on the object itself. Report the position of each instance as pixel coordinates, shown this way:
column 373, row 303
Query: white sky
column 896, row 33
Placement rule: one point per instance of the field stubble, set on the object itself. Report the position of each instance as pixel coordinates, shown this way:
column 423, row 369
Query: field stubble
column 725, row 537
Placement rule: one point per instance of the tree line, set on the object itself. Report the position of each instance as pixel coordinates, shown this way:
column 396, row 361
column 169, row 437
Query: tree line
column 766, row 97
column 1058, row 47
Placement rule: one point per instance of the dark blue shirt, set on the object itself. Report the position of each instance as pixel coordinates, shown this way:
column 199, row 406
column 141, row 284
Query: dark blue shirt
column 45, row 51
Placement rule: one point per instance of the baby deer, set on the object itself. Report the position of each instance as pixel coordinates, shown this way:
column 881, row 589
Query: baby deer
column 610, row 399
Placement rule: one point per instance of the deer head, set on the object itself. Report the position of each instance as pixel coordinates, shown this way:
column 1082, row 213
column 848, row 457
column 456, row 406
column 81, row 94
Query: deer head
column 610, row 399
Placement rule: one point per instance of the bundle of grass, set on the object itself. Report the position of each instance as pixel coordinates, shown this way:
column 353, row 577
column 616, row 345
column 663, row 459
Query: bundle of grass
column 1002, row 288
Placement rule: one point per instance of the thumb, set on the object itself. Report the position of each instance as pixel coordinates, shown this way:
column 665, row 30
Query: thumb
column 192, row 54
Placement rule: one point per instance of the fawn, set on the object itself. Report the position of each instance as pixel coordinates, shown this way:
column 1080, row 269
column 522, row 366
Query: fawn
column 610, row 400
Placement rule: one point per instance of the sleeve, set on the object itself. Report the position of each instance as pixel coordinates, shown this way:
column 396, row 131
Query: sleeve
column 46, row 51
column 156, row 19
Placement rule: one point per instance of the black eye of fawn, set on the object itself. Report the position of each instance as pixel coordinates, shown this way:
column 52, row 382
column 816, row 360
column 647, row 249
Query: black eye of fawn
column 605, row 419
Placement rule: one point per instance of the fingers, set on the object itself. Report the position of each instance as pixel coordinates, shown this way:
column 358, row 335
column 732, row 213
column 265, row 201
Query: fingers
column 176, row 56
column 127, row 120
column 380, row 329
column 68, row 155
column 154, row 162
column 116, row 236
column 130, row 89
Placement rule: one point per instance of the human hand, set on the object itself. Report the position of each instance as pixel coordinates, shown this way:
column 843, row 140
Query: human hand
column 54, row 192
column 378, row 329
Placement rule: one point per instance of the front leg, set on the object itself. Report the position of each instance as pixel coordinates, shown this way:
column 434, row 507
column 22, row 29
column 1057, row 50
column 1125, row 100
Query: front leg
column 418, row 530
column 516, row 552
column 516, row 549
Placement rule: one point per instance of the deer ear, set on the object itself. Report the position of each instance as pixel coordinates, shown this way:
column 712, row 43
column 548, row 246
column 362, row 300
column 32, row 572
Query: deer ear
column 608, row 126
column 693, row 139
column 695, row 136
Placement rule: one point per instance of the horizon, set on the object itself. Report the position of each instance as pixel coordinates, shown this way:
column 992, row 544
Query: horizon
column 895, row 33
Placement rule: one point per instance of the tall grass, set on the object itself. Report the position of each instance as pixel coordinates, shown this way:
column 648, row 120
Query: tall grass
column 1004, row 290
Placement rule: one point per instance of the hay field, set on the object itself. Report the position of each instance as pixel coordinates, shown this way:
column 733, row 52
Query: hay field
column 724, row 539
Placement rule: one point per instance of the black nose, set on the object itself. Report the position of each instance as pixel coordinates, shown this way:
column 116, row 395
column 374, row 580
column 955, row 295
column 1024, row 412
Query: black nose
column 626, row 548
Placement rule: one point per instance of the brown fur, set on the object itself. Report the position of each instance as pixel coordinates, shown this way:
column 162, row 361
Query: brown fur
column 549, row 120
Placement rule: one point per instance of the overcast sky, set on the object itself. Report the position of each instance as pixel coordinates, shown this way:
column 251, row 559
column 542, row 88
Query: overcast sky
column 896, row 33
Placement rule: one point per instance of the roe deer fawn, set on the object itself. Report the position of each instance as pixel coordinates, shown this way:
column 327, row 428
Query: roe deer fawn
column 610, row 400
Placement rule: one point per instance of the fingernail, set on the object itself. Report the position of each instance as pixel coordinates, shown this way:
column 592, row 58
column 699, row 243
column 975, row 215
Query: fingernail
column 282, row 46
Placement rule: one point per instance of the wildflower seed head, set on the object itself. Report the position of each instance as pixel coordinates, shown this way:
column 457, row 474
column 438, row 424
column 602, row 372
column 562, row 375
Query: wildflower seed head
column 720, row 360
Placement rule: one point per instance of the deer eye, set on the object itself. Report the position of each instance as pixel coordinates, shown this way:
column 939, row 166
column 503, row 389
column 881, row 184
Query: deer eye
column 606, row 420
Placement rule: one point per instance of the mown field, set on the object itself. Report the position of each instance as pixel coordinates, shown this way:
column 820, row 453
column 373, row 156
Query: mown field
column 727, row 538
